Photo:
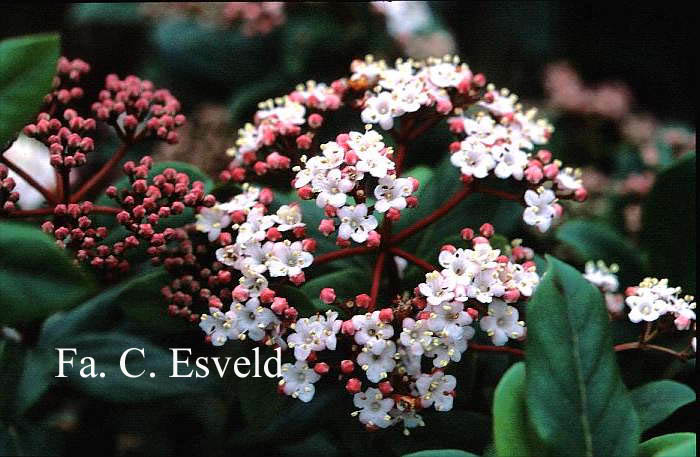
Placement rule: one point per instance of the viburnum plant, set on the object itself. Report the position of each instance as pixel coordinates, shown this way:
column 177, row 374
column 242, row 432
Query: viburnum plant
column 319, row 242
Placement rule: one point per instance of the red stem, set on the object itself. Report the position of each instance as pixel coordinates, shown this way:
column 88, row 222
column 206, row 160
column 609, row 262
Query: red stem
column 434, row 216
column 341, row 253
column 499, row 193
column 101, row 174
column 399, row 159
column 413, row 259
column 48, row 195
column 487, row 348
column 376, row 279
column 652, row 347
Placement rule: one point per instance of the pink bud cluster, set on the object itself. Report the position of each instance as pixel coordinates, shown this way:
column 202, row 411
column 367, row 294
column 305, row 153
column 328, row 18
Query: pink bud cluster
column 66, row 137
column 66, row 86
column 152, row 199
column 138, row 110
column 8, row 196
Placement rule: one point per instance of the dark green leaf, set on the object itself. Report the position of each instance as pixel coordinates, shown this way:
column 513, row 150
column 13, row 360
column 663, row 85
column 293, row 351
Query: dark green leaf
column 36, row 379
column 27, row 70
column 671, row 445
column 347, row 284
column 37, row 278
column 597, row 241
column 510, row 428
column 657, row 400
column 669, row 225
column 576, row 400
column 298, row 299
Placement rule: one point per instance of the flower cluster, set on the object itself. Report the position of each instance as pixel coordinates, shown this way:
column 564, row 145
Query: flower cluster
column 137, row 109
column 356, row 165
column 653, row 298
column 390, row 344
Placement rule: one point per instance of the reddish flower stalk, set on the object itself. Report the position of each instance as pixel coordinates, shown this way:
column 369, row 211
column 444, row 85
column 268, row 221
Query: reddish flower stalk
column 342, row 253
column 505, row 349
column 48, row 195
column 434, row 216
column 101, row 174
column 413, row 259
column 634, row 345
column 377, row 279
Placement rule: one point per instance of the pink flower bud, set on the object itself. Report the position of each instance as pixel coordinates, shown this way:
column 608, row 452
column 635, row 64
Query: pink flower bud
column 347, row 366
column 299, row 232
column 511, row 295
column 298, row 279
column 308, row 245
column 315, row 120
column 342, row 243
column 373, row 239
column 321, row 368
column 304, row 141
column 353, row 385
column 305, row 193
column 291, row 313
column 277, row 161
column 631, row 291
column 474, row 314
column 534, row 174
column 393, row 214
column 240, row 293
column 464, row 85
column 330, row 211
column 363, row 301
column 279, row 305
column 411, row 201
column 467, row 234
column 444, row 106
column 479, row 80
column 351, row 158
column 267, row 295
column 448, row 247
column 260, row 168
column 273, row 234
column 544, row 155
column 327, row 226
column 581, row 194
column 386, row 315
column 551, row 171
column 558, row 209
column 480, row 240
column 385, row 388
column 327, row 295
column 487, row 230
column 347, row 328
column 266, row 196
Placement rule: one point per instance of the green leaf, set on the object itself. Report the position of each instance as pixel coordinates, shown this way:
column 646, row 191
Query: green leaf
column 576, row 400
column 298, row 299
column 597, row 241
column 669, row 224
column 657, row 400
column 37, row 278
column 27, row 70
column 441, row 453
column 347, row 283
column 36, row 379
column 671, row 445
column 106, row 13
column 510, row 427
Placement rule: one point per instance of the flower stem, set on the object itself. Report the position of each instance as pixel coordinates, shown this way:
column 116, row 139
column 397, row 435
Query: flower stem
column 434, row 216
column 377, row 279
column 413, row 259
column 487, row 348
column 341, row 253
column 101, row 174
column 651, row 347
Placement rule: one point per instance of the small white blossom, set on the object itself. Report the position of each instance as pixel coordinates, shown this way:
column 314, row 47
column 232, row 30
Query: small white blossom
column 540, row 209
column 298, row 380
column 436, row 389
column 355, row 223
column 212, row 220
column 502, row 323
column 251, row 319
column 391, row 193
column 377, row 366
column 374, row 408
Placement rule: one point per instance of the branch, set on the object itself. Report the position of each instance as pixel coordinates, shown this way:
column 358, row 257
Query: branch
column 341, row 253
column 487, row 348
column 48, row 195
column 413, row 259
column 101, row 174
column 434, row 216
column 499, row 193
column 651, row 347
column 376, row 279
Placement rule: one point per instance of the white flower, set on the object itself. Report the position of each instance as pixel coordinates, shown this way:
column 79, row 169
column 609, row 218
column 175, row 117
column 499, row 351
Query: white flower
column 446, row 348
column 540, row 209
column 374, row 408
column 298, row 380
column 253, row 282
column 374, row 162
column 212, row 220
column 444, row 75
column 250, row 139
column 229, row 255
column 411, row 96
column 437, row 288
column 252, row 319
column 568, row 180
column 381, row 109
column 449, row 319
column 458, row 266
column 254, row 227
column 436, row 389
column 355, row 223
column 646, row 307
column 522, row 279
column 511, row 161
column 332, row 189
column 314, row 334
column 391, row 193
column 601, row 276
column 415, row 336
column 503, row 103
column 377, row 366
column 486, row 285
column 332, row 156
column 502, row 323
column 288, row 259
column 370, row 141
column 370, row 331
column 473, row 158
column 288, row 217
column 218, row 326
column 243, row 201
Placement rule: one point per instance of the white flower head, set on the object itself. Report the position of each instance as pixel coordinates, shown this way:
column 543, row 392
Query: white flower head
column 298, row 380
column 541, row 209
column 355, row 223
column 374, row 408
column 502, row 323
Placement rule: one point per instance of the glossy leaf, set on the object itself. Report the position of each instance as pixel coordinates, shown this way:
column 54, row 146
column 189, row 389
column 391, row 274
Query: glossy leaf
column 576, row 400
column 37, row 278
column 657, row 400
column 27, row 70
column 510, row 427
column 671, row 445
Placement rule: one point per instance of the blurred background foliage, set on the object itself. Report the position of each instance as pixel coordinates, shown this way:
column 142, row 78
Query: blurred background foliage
column 635, row 144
